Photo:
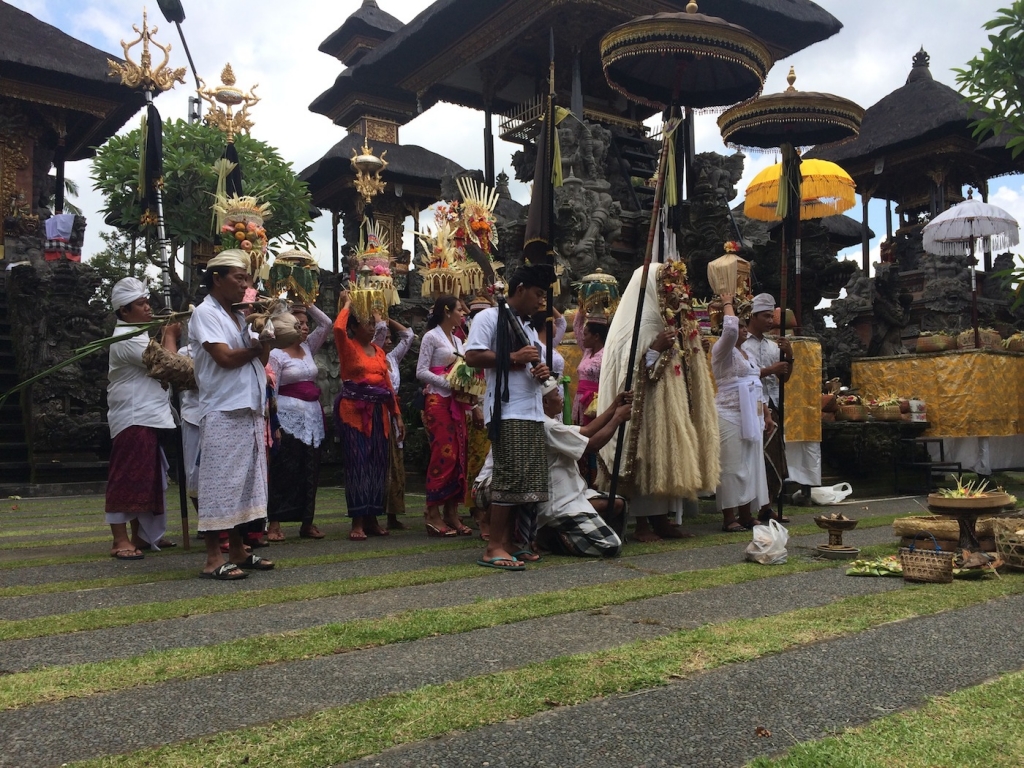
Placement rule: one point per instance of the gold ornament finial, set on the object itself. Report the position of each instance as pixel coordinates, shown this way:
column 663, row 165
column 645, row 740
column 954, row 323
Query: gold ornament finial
column 691, row 7
column 791, row 79
column 368, row 168
column 142, row 76
column 229, row 96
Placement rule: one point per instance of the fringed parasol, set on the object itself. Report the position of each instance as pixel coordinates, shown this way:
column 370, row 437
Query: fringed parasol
column 800, row 118
column 687, row 58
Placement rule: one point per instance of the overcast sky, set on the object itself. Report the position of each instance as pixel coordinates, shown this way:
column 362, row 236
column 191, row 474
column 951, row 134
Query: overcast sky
column 275, row 44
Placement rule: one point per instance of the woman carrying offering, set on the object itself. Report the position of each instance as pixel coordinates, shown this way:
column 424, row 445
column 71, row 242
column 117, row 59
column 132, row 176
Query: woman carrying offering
column 743, row 416
column 444, row 416
column 295, row 467
column 364, row 411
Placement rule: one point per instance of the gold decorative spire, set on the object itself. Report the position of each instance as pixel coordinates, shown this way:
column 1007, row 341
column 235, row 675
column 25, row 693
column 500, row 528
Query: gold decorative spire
column 368, row 168
column 791, row 79
column 142, row 76
column 229, row 96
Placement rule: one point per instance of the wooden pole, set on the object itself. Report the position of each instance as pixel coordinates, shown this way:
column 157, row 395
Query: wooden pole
column 659, row 192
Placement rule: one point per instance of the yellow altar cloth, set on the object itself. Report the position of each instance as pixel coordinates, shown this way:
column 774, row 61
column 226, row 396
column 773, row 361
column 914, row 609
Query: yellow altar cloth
column 803, row 392
column 967, row 393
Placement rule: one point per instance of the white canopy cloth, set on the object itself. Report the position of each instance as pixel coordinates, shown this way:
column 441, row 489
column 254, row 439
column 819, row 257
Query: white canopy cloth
column 972, row 220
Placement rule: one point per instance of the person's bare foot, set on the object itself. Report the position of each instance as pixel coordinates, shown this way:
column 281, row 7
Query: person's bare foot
column 669, row 530
column 274, row 532
column 644, row 533
column 394, row 524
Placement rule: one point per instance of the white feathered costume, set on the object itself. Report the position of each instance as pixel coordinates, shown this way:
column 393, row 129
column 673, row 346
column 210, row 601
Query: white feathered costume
column 671, row 442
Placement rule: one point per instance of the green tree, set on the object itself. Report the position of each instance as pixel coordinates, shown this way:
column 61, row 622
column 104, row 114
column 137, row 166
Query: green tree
column 121, row 257
column 190, row 151
column 993, row 81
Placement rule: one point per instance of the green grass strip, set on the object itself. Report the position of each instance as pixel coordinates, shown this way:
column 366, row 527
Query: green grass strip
column 977, row 727
column 57, row 683
column 123, row 616
column 345, row 733
column 128, row 580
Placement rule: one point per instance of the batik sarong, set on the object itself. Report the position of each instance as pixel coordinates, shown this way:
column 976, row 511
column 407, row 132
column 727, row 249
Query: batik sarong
column 232, row 469
column 478, row 447
column 445, row 421
column 520, row 464
column 581, row 534
column 135, row 477
column 396, row 475
column 366, row 466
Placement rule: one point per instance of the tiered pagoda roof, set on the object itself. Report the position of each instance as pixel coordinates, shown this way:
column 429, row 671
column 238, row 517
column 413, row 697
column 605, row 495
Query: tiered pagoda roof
column 920, row 129
column 363, row 31
column 494, row 53
column 42, row 65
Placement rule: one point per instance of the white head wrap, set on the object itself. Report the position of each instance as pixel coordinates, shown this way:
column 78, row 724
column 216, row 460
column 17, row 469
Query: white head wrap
column 550, row 386
column 763, row 302
column 233, row 257
column 126, row 291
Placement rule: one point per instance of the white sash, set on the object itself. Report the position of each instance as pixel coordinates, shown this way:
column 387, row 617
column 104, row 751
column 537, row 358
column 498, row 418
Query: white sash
column 748, row 388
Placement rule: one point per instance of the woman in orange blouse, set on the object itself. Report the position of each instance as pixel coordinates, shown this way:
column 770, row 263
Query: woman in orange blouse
column 362, row 415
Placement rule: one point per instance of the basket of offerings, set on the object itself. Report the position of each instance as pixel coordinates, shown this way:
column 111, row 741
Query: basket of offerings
column 885, row 409
column 1009, row 536
column 971, row 495
column 988, row 339
column 930, row 566
column 1014, row 343
column 467, row 383
column 851, row 409
column 935, row 342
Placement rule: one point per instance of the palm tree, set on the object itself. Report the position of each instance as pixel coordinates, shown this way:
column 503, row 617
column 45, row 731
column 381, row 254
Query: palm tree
column 70, row 190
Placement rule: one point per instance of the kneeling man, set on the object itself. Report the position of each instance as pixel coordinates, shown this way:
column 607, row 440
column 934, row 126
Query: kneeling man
column 571, row 521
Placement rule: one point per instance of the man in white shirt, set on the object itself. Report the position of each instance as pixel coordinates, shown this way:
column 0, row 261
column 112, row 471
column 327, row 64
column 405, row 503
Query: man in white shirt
column 515, row 414
column 775, row 360
column 572, row 520
column 137, row 407
column 230, row 371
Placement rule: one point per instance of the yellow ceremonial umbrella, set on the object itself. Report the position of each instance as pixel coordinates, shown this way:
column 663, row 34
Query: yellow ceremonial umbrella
column 825, row 190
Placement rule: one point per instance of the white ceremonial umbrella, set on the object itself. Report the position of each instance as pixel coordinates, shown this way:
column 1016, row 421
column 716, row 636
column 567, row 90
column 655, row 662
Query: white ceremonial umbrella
column 953, row 230
column 957, row 230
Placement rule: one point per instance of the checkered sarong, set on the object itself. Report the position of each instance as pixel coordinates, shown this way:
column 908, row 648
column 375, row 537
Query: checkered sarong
column 520, row 464
column 583, row 534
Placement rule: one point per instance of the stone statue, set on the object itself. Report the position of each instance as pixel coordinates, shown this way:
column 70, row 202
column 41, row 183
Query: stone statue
column 891, row 310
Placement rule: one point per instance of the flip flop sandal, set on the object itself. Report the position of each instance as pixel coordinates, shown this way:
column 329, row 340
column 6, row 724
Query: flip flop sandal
column 527, row 555
column 357, row 536
column 378, row 532
column 462, row 530
column 127, row 554
column 311, row 533
column 496, row 562
column 256, row 563
column 276, row 536
column 224, row 572
column 734, row 527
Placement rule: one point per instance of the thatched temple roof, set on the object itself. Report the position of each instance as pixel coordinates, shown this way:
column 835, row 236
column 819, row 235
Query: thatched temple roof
column 41, row 65
column 480, row 53
column 360, row 33
column 922, row 126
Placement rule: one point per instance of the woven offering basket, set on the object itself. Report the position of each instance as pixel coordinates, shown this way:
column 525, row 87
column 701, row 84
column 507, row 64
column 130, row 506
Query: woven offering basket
column 933, row 567
column 936, row 343
column 1009, row 543
column 852, row 413
column 988, row 339
column 884, row 412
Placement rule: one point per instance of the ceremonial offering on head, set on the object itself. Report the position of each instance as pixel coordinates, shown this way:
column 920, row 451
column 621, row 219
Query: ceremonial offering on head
column 295, row 276
column 467, row 383
column 372, row 261
column 457, row 259
column 240, row 223
column 729, row 274
column 598, row 296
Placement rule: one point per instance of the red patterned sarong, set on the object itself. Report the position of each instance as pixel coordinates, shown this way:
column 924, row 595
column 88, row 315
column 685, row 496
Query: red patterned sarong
column 446, row 471
column 135, row 481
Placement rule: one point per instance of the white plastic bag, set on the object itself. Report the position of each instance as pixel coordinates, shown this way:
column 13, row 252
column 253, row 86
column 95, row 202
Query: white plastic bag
column 769, row 544
column 823, row 494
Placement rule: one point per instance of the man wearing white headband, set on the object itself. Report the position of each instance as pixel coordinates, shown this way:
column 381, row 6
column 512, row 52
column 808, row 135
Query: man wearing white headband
column 230, row 371
column 137, row 408
column 775, row 360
